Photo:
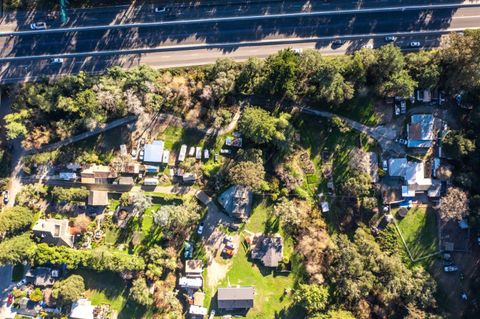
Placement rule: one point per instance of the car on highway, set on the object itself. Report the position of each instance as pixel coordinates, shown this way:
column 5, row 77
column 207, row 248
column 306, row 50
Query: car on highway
column 367, row 46
column 38, row 26
column 390, row 38
column 6, row 197
column 451, row 268
column 338, row 42
column 160, row 9
column 415, row 44
column 200, row 228
column 56, row 61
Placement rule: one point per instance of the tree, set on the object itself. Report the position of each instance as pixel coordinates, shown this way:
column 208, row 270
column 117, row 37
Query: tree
column 68, row 290
column 357, row 185
column 140, row 201
column 399, row 84
column 359, row 161
column 454, row 205
column 31, row 196
column 389, row 61
column 250, row 76
column 36, row 295
column 222, row 78
column 293, row 214
column 247, row 173
column 280, row 74
column 15, row 124
column 62, row 194
column 458, row 146
column 14, row 219
column 460, row 61
column 335, row 314
column 178, row 218
column 159, row 259
column 140, row 292
column 58, row 255
column 81, row 223
column 313, row 298
column 16, row 250
column 103, row 258
column 330, row 85
column 423, row 69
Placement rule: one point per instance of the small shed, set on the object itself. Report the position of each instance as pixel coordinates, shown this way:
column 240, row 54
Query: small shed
column 183, row 153
column 193, row 268
column 98, row 198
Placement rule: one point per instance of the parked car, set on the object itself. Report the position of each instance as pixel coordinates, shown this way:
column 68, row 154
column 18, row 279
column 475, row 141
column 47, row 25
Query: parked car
column 401, row 141
column 415, row 44
column 397, row 110
column 38, row 26
column 390, row 38
column 142, row 141
column 134, row 153
column 200, row 228
column 385, row 165
column 232, row 226
column 56, row 61
column 160, row 9
column 6, row 197
column 451, row 268
column 21, row 283
column 141, row 154
column 10, row 299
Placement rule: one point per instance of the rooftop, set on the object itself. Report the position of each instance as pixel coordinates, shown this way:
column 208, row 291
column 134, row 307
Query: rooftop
column 235, row 297
column 268, row 249
column 237, row 201
column 154, row 152
column 82, row 309
column 421, row 131
column 54, row 231
column 98, row 198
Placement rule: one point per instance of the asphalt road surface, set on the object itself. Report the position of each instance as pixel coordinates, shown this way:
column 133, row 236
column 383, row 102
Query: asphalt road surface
column 91, row 40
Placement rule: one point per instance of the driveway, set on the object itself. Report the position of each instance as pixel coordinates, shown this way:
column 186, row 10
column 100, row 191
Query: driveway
column 384, row 135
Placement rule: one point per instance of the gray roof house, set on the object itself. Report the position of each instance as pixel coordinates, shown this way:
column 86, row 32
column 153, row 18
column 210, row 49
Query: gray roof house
column 54, row 231
column 421, row 131
column 231, row 298
column 268, row 249
column 237, row 201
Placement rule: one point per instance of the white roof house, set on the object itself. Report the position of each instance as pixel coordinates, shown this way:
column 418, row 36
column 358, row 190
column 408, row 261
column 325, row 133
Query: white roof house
column 154, row 152
column 183, row 153
column 421, row 131
column 166, row 156
column 82, row 309
column 190, row 283
column 413, row 174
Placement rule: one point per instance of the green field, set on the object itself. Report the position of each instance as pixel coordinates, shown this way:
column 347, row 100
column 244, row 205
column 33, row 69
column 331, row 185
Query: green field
column 175, row 136
column 419, row 229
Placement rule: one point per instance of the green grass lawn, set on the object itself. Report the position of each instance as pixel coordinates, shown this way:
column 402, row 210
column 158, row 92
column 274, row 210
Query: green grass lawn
column 361, row 109
column 271, row 300
column 175, row 136
column 109, row 288
column 419, row 228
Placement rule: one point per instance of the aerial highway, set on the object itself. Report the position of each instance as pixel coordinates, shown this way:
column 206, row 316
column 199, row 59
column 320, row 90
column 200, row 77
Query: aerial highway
column 190, row 35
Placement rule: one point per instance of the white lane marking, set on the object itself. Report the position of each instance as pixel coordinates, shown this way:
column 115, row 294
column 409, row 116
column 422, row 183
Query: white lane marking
column 242, row 18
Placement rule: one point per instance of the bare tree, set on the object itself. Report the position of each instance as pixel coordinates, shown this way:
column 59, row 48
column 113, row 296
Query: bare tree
column 454, row 205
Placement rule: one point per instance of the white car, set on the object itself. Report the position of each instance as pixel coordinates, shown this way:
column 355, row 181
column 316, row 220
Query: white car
column 452, row 268
column 134, row 153
column 367, row 46
column 141, row 154
column 38, row 26
column 298, row 50
column 160, row 9
column 21, row 283
column 56, row 61
column 200, row 229
column 415, row 44
column 390, row 38
column 385, row 165
column 225, row 151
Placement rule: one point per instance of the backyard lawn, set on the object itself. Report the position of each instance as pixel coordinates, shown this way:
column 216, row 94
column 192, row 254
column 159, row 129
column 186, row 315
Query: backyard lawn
column 270, row 287
column 175, row 136
column 360, row 109
column 419, row 229
column 109, row 288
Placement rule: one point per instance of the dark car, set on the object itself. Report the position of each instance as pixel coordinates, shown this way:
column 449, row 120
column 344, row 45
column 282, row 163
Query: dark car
column 338, row 42
column 232, row 226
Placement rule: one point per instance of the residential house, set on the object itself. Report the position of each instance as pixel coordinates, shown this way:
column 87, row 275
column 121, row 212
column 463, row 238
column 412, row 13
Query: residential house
column 235, row 298
column 154, row 152
column 54, row 232
column 415, row 179
column 190, row 283
column 237, row 201
column 193, row 268
column 98, row 198
column 42, row 276
column 422, row 131
column 97, row 174
column 131, row 169
column 268, row 249
column 82, row 309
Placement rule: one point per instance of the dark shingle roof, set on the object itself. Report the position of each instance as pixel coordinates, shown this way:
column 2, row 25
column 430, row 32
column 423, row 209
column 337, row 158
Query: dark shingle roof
column 235, row 297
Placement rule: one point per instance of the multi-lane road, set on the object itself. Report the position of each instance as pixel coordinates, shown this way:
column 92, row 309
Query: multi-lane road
column 94, row 39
